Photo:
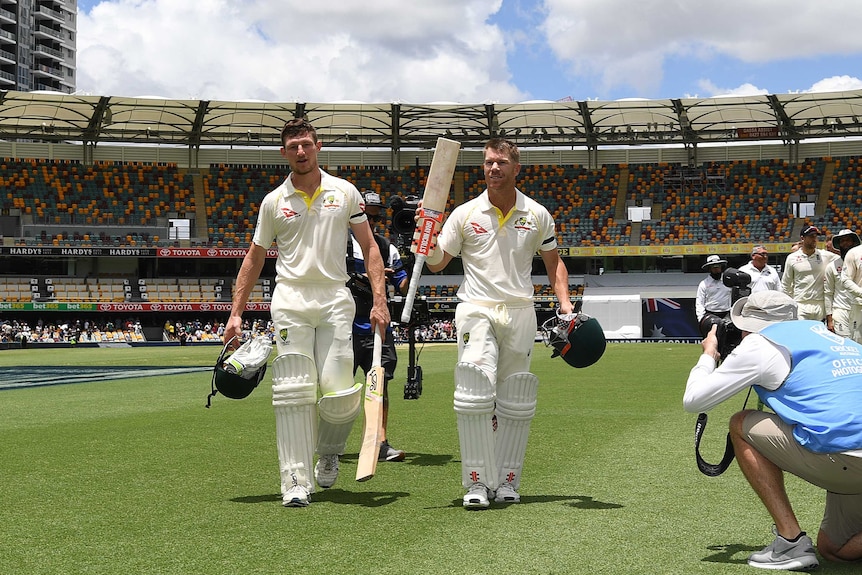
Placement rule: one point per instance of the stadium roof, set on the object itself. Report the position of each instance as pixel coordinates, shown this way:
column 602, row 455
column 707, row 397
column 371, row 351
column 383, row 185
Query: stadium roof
column 51, row 117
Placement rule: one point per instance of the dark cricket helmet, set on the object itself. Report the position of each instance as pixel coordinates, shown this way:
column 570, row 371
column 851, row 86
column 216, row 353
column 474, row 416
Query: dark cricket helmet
column 232, row 385
column 578, row 339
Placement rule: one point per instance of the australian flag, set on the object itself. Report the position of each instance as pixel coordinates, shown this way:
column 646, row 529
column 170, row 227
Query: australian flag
column 663, row 317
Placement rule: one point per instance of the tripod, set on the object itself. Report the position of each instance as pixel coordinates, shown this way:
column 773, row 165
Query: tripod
column 413, row 385
column 418, row 316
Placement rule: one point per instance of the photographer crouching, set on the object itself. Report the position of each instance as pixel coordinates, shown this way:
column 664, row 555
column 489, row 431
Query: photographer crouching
column 811, row 379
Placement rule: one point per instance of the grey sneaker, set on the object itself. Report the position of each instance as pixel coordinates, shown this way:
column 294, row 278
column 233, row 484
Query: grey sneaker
column 326, row 470
column 507, row 494
column 389, row 453
column 798, row 555
column 476, row 497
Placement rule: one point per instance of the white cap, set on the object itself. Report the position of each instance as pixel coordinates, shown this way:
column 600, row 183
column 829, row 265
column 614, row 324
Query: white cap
column 761, row 309
column 713, row 260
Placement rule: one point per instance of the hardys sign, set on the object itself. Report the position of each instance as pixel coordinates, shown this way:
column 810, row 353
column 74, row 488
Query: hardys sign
column 127, row 307
column 84, row 252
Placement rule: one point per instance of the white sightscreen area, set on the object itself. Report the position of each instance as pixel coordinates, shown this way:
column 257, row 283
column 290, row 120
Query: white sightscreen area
column 619, row 315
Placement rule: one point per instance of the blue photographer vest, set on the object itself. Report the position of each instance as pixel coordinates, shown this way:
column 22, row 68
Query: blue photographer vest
column 822, row 395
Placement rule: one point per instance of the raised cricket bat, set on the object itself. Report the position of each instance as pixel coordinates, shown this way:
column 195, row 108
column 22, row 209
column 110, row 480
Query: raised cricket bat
column 433, row 209
column 367, row 464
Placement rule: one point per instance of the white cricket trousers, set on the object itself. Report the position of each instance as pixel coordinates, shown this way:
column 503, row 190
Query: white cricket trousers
column 317, row 322
column 498, row 339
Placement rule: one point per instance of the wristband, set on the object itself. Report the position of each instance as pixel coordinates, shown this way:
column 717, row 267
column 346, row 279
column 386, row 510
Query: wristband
column 435, row 258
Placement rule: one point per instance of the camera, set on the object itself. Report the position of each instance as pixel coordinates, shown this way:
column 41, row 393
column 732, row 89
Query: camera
column 738, row 281
column 421, row 312
column 728, row 334
column 403, row 219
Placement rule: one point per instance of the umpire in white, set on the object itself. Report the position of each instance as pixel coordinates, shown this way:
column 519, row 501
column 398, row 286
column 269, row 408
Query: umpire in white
column 308, row 216
column 713, row 297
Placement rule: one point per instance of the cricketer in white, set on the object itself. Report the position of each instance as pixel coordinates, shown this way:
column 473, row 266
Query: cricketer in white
column 497, row 235
column 308, row 216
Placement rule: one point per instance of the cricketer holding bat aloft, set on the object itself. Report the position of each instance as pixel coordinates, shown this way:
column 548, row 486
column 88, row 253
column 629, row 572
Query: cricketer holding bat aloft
column 497, row 234
column 312, row 310
column 811, row 380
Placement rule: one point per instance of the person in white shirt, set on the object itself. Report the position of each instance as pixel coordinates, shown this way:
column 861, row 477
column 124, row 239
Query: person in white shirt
column 839, row 300
column 851, row 281
column 713, row 297
column 802, row 276
column 497, row 235
column 810, row 379
column 308, row 216
column 763, row 276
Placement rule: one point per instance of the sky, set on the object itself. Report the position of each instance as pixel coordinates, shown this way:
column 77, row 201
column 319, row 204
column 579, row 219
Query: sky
column 466, row 51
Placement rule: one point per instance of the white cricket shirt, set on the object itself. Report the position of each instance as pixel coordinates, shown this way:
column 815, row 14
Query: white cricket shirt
column 802, row 277
column 310, row 232
column 497, row 250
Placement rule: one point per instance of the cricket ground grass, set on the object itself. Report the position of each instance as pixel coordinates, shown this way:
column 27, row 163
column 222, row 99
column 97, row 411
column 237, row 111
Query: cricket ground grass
column 136, row 476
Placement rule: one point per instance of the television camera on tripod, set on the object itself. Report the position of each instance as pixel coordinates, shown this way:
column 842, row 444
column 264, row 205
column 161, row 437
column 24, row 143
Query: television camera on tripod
column 401, row 230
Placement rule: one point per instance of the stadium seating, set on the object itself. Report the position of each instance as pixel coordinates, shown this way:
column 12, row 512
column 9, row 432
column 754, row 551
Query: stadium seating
column 737, row 201
column 733, row 201
column 102, row 199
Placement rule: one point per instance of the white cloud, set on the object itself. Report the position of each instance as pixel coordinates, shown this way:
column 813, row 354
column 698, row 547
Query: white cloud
column 712, row 91
column 463, row 50
column 294, row 50
column 837, row 84
column 625, row 43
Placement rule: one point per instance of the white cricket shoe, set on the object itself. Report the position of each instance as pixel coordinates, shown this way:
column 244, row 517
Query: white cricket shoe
column 296, row 496
column 507, row 494
column 326, row 470
column 476, row 497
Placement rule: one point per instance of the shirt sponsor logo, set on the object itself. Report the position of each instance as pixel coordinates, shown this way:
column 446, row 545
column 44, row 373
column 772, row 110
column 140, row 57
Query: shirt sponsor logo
column 477, row 228
column 289, row 214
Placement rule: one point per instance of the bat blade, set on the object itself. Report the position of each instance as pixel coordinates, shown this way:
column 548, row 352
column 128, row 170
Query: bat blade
column 373, row 406
column 433, row 209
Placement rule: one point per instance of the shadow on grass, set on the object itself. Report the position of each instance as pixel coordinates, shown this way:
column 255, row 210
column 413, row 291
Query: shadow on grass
column 737, row 554
column 423, row 459
column 576, row 501
column 727, row 553
column 363, row 498
column 337, row 496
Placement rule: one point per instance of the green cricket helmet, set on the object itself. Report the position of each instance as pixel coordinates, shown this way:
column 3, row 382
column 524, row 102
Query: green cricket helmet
column 229, row 384
column 577, row 338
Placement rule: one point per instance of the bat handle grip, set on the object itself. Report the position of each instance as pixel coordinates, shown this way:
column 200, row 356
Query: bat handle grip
column 377, row 357
column 411, row 290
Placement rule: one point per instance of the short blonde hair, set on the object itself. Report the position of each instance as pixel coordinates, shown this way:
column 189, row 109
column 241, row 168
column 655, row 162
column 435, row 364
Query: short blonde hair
column 505, row 146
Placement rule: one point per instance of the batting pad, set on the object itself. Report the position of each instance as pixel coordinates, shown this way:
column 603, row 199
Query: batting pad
column 337, row 411
column 294, row 392
column 474, row 408
column 516, row 406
